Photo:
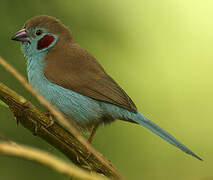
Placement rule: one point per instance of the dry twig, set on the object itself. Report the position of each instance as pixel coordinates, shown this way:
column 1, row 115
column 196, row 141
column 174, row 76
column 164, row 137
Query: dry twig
column 48, row 160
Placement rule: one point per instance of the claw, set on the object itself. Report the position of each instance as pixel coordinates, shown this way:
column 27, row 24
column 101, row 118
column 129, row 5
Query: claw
column 51, row 117
column 37, row 126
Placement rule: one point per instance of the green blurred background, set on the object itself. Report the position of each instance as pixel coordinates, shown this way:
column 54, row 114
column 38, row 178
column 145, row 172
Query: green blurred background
column 160, row 52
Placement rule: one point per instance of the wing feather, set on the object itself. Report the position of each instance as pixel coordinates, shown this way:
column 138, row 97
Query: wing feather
column 75, row 69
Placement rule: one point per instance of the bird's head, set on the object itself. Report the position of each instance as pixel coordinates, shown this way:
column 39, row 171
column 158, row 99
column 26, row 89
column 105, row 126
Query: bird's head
column 42, row 33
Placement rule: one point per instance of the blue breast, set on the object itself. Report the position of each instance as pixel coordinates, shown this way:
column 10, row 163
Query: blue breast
column 84, row 110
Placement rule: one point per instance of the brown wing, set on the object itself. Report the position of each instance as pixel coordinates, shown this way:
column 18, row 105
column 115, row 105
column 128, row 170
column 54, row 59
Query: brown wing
column 74, row 68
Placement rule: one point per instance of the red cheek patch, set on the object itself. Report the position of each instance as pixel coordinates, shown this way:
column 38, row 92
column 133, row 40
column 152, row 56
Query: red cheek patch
column 45, row 42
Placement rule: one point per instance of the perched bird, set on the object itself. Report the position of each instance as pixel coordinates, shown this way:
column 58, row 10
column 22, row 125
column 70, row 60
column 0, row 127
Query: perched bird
column 70, row 78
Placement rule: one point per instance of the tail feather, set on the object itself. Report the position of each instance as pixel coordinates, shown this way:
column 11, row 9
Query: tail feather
column 143, row 121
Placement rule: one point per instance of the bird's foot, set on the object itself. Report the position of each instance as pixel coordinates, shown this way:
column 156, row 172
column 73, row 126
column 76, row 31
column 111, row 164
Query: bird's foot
column 91, row 138
column 51, row 117
column 37, row 127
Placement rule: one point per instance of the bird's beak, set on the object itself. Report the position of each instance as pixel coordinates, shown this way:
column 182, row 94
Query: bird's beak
column 21, row 36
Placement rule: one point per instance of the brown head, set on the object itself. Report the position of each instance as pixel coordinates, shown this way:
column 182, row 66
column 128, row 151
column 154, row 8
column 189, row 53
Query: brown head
column 68, row 64
column 42, row 33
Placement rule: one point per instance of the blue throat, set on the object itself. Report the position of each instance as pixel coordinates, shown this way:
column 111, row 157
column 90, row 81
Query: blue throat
column 65, row 100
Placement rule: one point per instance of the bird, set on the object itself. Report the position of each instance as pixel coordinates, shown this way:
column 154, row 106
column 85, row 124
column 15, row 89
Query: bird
column 74, row 82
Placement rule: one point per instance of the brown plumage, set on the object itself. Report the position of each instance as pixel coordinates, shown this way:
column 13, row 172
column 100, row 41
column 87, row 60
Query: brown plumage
column 72, row 67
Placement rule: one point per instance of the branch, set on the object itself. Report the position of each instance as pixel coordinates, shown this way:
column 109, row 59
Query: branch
column 74, row 146
column 48, row 160
column 59, row 116
column 37, row 121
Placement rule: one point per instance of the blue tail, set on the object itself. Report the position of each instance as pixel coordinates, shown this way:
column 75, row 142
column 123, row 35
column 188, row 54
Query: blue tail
column 143, row 121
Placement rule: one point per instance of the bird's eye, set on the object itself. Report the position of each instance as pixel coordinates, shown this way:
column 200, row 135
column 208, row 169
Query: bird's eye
column 38, row 32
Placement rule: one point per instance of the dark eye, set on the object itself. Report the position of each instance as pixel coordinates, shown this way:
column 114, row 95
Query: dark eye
column 38, row 32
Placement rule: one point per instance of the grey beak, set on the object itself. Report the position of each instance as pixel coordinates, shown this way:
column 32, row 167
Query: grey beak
column 21, row 36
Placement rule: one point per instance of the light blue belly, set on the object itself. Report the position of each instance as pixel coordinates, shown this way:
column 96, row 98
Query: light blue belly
column 77, row 107
column 84, row 110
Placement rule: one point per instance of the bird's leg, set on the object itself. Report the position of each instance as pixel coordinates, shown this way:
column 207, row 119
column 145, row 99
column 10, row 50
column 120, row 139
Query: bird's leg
column 51, row 117
column 91, row 137
column 93, row 133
